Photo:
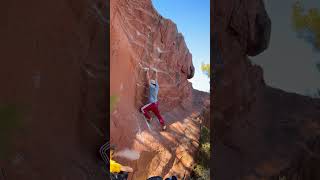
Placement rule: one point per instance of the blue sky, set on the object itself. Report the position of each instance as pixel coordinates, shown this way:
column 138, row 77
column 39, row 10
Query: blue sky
column 193, row 21
column 289, row 61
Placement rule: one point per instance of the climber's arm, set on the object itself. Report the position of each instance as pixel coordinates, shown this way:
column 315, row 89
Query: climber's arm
column 157, row 79
column 148, row 76
column 156, row 75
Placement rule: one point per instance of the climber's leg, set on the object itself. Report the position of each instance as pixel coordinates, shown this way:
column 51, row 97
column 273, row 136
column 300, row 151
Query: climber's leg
column 145, row 109
column 155, row 110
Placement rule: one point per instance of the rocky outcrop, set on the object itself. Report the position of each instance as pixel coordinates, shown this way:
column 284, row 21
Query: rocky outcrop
column 141, row 38
column 53, row 74
column 260, row 132
column 151, row 41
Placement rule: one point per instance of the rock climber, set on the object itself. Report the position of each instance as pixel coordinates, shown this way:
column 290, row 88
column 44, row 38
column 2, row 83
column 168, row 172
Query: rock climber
column 153, row 99
column 118, row 171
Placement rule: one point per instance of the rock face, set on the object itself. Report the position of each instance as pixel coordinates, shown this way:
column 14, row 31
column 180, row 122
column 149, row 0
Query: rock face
column 53, row 75
column 141, row 38
column 260, row 132
column 153, row 42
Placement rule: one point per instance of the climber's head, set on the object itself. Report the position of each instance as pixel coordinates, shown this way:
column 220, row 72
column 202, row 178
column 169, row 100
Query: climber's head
column 153, row 82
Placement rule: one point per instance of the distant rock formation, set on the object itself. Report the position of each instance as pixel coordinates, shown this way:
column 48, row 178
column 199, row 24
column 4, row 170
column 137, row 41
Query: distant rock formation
column 260, row 132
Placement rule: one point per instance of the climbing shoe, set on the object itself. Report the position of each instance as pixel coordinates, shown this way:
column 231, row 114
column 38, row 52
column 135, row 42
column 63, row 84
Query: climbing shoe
column 164, row 127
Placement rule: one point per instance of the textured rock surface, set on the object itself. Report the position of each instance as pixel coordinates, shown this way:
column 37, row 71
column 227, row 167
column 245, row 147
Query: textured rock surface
column 141, row 38
column 260, row 132
column 53, row 70
column 151, row 41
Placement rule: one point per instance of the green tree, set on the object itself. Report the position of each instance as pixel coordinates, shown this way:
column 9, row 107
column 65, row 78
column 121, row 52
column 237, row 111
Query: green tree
column 309, row 19
column 206, row 69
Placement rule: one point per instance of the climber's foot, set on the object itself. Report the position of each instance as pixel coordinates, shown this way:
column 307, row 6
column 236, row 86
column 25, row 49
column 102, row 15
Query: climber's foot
column 164, row 127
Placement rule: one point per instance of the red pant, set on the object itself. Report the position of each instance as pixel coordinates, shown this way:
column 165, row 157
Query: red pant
column 154, row 108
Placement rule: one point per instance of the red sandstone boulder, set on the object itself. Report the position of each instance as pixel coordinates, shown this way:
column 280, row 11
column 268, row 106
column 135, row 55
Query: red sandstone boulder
column 141, row 38
column 260, row 132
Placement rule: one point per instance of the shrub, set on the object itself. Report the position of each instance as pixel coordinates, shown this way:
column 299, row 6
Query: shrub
column 10, row 121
